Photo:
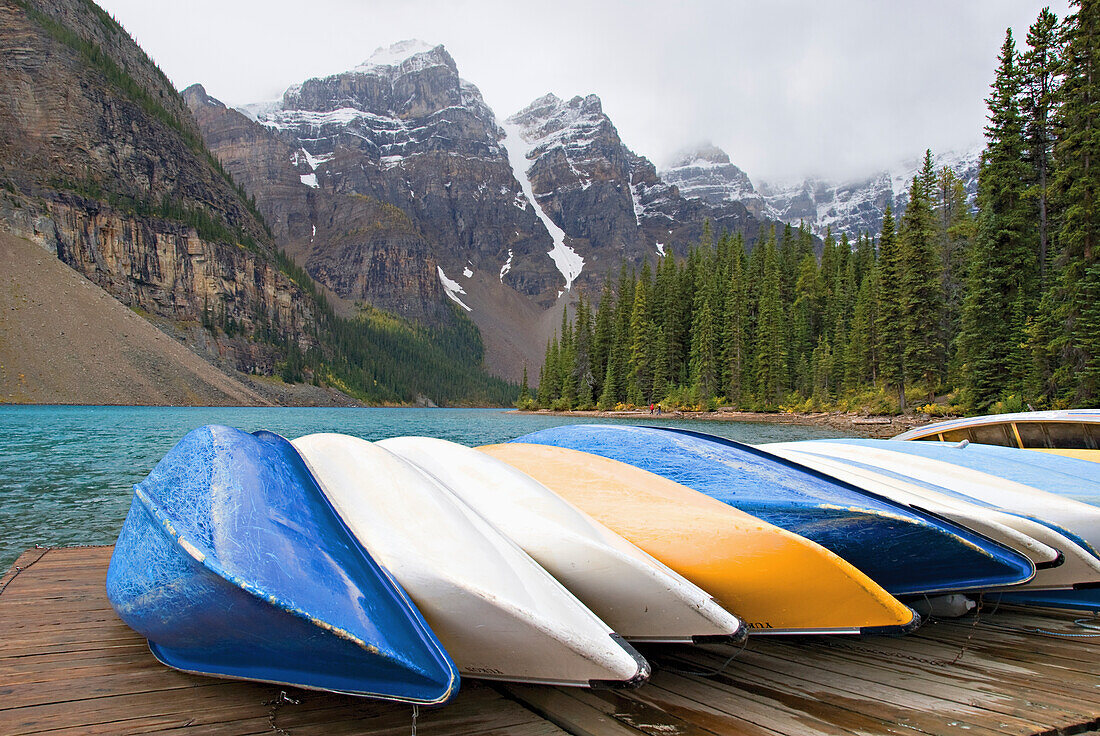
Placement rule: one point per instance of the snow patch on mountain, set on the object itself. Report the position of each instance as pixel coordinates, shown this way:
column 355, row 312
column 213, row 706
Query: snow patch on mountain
column 452, row 289
column 568, row 262
column 396, row 53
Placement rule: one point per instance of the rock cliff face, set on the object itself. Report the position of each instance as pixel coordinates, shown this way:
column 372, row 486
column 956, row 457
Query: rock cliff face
column 360, row 247
column 102, row 164
column 405, row 130
column 706, row 174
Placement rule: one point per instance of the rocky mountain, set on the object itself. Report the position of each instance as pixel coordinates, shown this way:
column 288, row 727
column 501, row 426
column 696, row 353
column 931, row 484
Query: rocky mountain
column 394, row 184
column 705, row 173
column 606, row 203
column 849, row 207
column 103, row 164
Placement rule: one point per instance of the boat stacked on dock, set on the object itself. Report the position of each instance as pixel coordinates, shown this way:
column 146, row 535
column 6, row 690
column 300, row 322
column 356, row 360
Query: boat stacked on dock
column 233, row 563
column 1050, row 498
column 391, row 569
column 906, row 550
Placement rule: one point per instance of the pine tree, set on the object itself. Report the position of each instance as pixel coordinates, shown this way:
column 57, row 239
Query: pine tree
column 1003, row 267
column 735, row 328
column 643, row 345
column 524, row 399
column 822, row 363
column 547, row 375
column 920, row 282
column 955, row 229
column 858, row 369
column 601, row 335
column 1039, row 81
column 770, row 351
column 670, row 320
column 1077, row 192
column 891, row 333
column 805, row 322
column 704, row 340
column 583, row 338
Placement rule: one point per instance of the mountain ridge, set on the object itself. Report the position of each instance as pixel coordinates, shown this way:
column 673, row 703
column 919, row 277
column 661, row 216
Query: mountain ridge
column 842, row 206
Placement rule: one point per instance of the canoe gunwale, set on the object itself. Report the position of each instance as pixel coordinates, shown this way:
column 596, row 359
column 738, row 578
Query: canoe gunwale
column 442, row 700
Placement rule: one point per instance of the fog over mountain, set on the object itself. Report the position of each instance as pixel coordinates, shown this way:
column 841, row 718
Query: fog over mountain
column 789, row 89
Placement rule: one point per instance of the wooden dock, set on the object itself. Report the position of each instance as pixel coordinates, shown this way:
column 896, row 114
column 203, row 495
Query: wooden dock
column 69, row 666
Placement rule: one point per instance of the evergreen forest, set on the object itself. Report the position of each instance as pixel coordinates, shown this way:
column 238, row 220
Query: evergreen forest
column 953, row 307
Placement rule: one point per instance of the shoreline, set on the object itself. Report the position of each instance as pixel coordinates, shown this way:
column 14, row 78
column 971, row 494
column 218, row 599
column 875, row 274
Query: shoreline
column 874, row 427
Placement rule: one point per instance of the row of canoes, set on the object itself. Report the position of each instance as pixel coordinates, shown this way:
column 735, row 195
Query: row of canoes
column 391, row 569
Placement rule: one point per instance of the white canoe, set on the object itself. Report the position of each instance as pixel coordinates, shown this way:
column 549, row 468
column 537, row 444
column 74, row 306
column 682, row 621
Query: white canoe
column 1059, row 561
column 1078, row 522
column 497, row 612
column 639, row 597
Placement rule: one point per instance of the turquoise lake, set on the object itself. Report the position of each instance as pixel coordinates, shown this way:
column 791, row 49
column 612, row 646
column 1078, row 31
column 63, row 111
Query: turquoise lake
column 66, row 471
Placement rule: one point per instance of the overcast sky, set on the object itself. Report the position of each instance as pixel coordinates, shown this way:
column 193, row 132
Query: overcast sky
column 789, row 88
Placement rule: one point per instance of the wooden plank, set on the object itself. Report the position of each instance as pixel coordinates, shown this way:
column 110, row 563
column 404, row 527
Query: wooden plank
column 804, row 684
column 651, row 716
column 761, row 707
column 942, row 684
column 952, row 682
column 560, row 708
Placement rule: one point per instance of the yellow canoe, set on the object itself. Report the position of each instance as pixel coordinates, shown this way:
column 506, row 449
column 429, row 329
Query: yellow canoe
column 776, row 581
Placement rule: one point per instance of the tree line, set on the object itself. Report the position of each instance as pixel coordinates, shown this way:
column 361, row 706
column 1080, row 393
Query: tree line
column 989, row 307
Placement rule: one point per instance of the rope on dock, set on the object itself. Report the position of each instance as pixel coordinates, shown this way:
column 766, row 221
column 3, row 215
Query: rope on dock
column 18, row 569
column 707, row 673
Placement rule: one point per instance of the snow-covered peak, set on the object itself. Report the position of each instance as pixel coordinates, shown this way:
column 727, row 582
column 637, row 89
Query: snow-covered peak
column 405, row 57
column 705, row 172
column 550, row 121
column 700, row 156
column 396, row 53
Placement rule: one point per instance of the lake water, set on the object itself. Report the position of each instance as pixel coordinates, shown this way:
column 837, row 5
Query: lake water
column 66, row 471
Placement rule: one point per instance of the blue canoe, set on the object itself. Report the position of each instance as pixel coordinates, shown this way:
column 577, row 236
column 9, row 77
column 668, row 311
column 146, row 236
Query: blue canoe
column 232, row 563
column 905, row 551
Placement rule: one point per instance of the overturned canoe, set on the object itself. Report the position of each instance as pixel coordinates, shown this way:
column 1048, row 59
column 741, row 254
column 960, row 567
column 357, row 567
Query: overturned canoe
column 778, row 582
column 906, row 551
column 1073, row 432
column 1059, row 561
column 640, row 598
column 233, row 564
column 498, row 613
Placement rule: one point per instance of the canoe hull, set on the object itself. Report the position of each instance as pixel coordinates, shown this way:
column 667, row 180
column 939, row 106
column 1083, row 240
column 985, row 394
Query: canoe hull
column 1054, row 491
column 904, row 551
column 174, row 578
column 637, row 596
column 499, row 614
column 1087, row 599
column 777, row 582
column 1059, row 561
